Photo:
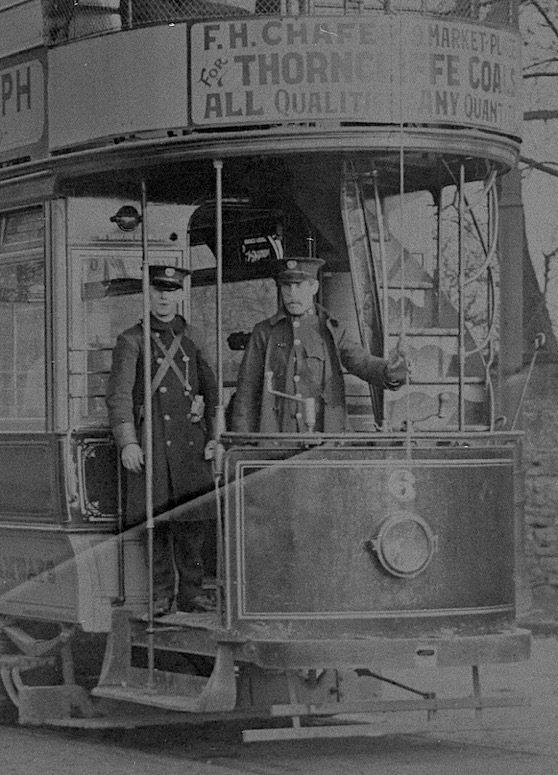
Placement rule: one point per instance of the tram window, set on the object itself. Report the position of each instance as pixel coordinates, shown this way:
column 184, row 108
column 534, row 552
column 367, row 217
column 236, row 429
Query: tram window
column 22, row 320
column 108, row 292
column 409, row 228
column 244, row 304
column 105, row 319
column 429, row 299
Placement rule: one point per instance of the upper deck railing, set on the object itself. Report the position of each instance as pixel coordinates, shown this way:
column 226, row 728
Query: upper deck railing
column 67, row 20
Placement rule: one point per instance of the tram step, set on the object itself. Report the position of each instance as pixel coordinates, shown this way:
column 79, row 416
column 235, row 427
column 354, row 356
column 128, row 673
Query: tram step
column 171, row 691
column 206, row 620
column 120, row 680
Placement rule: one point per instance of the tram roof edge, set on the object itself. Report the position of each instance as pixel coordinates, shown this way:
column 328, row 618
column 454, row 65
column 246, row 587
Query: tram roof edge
column 27, row 188
column 132, row 154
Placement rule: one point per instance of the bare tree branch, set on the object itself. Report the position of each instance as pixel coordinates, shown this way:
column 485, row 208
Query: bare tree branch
column 541, row 63
column 545, row 16
column 539, row 75
column 538, row 165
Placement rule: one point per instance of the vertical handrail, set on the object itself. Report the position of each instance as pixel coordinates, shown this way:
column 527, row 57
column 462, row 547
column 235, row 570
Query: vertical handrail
column 383, row 262
column 220, row 409
column 492, row 213
column 438, row 268
column 461, row 300
column 220, row 427
column 362, row 277
column 121, row 526
column 148, row 432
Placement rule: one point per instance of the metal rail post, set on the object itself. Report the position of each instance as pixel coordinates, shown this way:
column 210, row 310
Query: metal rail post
column 220, row 426
column 148, row 432
column 220, row 409
column 461, row 300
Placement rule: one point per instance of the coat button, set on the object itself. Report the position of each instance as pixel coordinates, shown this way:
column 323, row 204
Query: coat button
column 296, row 377
column 167, row 417
column 296, row 323
column 296, row 342
column 162, row 389
column 168, row 443
column 159, row 360
column 298, row 415
column 191, row 443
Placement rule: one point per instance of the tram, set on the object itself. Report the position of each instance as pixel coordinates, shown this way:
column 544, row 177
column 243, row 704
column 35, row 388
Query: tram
column 218, row 137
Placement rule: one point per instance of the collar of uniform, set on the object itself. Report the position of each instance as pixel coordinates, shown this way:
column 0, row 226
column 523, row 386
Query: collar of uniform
column 310, row 313
column 321, row 312
column 176, row 325
column 278, row 317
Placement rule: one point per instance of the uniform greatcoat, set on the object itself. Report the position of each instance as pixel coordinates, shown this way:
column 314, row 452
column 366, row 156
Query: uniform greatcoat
column 306, row 359
column 180, row 471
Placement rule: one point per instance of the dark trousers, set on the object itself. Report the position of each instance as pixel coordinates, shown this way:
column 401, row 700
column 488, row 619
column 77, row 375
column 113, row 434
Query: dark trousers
column 178, row 565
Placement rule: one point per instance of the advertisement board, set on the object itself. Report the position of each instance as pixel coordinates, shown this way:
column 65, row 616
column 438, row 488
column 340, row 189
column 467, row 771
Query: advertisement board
column 375, row 69
column 22, row 105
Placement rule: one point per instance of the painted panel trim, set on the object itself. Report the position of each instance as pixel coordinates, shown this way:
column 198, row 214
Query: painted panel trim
column 400, row 488
column 116, row 85
column 21, row 26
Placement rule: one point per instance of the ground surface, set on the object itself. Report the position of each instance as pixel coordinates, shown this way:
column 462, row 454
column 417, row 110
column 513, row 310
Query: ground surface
column 513, row 741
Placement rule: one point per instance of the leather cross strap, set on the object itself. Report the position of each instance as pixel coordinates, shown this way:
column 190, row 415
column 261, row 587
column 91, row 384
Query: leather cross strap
column 169, row 362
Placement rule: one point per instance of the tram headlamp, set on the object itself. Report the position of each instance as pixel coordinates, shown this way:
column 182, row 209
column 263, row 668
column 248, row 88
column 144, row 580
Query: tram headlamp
column 127, row 218
column 404, row 544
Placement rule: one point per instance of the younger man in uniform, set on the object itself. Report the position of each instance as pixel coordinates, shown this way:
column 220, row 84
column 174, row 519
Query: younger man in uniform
column 184, row 396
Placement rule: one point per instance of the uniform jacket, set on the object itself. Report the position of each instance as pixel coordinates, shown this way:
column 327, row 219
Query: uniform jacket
column 180, row 471
column 256, row 410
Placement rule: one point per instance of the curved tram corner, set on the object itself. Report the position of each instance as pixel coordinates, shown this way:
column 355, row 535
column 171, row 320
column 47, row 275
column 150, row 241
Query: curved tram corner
column 218, row 138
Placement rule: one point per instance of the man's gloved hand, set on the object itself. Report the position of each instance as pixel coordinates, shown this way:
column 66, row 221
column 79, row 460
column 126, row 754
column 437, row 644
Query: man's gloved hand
column 132, row 458
column 209, row 451
column 397, row 368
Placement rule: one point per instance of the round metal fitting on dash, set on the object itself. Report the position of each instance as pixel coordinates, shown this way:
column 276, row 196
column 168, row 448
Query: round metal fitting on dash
column 404, row 545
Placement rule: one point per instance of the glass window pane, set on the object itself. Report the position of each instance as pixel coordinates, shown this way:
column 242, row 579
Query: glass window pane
column 107, row 301
column 22, row 321
column 244, row 304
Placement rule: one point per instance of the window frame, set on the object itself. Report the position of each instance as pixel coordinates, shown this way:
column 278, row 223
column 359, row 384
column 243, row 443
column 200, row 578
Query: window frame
column 78, row 348
column 18, row 253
